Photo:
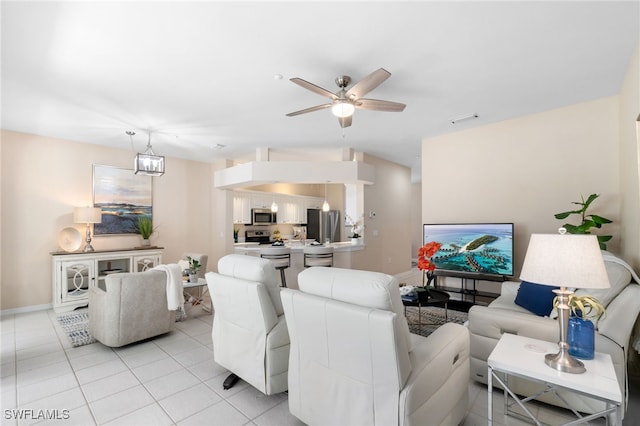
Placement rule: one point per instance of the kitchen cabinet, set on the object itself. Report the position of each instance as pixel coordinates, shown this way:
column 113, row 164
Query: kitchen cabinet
column 313, row 203
column 75, row 273
column 261, row 201
column 292, row 209
column 241, row 209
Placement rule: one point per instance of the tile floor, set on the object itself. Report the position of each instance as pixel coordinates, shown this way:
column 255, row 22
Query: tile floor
column 169, row 380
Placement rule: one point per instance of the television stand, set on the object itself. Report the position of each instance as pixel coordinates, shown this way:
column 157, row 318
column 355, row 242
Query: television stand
column 469, row 294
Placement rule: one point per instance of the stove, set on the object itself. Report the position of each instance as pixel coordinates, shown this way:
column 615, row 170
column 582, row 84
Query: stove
column 261, row 237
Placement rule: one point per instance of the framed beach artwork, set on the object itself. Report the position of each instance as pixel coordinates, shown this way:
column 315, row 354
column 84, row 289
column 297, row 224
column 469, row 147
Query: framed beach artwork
column 123, row 197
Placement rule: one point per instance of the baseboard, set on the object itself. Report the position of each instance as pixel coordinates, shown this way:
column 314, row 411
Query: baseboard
column 25, row 309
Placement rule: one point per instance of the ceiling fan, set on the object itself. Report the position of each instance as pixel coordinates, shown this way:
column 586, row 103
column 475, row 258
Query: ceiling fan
column 344, row 102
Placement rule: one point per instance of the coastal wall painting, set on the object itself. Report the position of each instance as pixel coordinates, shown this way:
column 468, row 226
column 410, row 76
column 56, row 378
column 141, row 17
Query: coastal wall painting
column 123, row 197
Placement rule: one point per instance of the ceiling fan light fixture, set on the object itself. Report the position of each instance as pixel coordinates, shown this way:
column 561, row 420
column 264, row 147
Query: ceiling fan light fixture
column 342, row 108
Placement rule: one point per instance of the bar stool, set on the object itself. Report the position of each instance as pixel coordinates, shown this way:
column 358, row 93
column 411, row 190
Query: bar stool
column 280, row 256
column 318, row 256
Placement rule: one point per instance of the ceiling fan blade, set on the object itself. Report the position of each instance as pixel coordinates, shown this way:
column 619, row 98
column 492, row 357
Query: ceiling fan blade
column 316, row 89
column 345, row 121
column 377, row 105
column 306, row 110
column 368, row 83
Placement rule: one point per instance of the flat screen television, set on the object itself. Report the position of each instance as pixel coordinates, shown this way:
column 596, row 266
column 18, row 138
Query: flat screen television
column 472, row 250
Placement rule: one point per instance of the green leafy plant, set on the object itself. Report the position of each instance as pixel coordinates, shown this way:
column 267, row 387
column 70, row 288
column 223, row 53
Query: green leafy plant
column 194, row 264
column 145, row 226
column 588, row 220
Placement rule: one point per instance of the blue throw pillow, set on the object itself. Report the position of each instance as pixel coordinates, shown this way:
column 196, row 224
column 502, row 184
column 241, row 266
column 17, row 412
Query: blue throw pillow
column 536, row 298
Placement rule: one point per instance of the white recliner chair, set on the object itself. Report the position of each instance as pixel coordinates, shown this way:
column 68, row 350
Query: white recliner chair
column 250, row 336
column 354, row 361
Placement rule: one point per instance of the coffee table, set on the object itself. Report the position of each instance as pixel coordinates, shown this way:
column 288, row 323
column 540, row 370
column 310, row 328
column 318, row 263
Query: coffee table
column 428, row 297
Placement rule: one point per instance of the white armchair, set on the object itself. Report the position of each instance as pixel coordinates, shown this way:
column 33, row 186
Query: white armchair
column 354, row 361
column 250, row 336
column 132, row 307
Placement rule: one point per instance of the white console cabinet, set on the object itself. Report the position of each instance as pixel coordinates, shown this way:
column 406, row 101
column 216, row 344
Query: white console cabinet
column 75, row 273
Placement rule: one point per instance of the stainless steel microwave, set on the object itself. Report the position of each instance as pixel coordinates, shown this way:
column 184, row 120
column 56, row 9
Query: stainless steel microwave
column 263, row 217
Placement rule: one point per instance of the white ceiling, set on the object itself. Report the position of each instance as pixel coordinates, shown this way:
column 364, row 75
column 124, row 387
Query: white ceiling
column 202, row 73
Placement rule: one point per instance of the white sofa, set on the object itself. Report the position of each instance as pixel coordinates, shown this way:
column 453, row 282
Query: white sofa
column 353, row 360
column 249, row 333
column 613, row 331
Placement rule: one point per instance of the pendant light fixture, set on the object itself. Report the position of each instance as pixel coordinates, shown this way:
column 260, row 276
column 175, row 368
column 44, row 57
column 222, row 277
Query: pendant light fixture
column 274, row 206
column 325, row 205
column 147, row 163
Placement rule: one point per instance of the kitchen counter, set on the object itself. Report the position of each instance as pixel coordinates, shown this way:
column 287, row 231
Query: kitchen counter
column 341, row 256
column 297, row 247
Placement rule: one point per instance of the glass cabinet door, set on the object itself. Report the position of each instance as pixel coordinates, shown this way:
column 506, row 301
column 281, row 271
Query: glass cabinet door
column 144, row 263
column 76, row 278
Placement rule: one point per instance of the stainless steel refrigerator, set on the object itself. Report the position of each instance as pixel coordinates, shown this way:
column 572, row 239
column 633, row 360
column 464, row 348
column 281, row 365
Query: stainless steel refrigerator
column 322, row 225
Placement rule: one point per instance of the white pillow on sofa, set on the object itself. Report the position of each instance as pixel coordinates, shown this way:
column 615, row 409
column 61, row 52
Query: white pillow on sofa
column 619, row 278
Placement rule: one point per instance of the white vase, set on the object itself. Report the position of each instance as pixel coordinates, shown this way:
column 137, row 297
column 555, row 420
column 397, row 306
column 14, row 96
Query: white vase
column 146, row 242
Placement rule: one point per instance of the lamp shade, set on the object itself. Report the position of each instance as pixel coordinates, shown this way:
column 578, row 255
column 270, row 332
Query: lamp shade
column 569, row 260
column 87, row 215
column 149, row 164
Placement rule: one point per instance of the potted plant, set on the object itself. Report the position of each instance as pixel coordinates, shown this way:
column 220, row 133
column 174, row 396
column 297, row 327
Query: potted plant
column 194, row 267
column 235, row 234
column 355, row 238
column 588, row 220
column 145, row 228
column 581, row 331
column 355, row 229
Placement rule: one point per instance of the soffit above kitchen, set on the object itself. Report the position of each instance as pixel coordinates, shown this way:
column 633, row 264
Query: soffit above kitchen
column 307, row 172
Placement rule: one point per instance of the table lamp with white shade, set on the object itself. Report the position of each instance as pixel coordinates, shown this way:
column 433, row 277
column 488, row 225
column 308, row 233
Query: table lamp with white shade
column 87, row 215
column 565, row 261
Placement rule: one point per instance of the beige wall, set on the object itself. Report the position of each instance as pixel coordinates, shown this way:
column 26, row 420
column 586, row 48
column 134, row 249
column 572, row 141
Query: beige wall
column 525, row 170
column 630, row 163
column 44, row 178
column 416, row 218
column 388, row 235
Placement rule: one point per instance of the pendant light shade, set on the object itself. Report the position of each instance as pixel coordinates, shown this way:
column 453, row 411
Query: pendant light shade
column 148, row 163
column 325, row 205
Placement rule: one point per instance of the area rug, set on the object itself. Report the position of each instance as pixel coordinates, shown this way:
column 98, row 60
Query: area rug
column 76, row 327
column 432, row 318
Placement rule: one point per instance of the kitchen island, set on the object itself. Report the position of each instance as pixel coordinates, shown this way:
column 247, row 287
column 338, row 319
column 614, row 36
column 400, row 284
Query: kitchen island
column 341, row 257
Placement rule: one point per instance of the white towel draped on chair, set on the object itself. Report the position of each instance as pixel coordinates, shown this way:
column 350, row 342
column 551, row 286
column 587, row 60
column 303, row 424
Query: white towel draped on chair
column 175, row 299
